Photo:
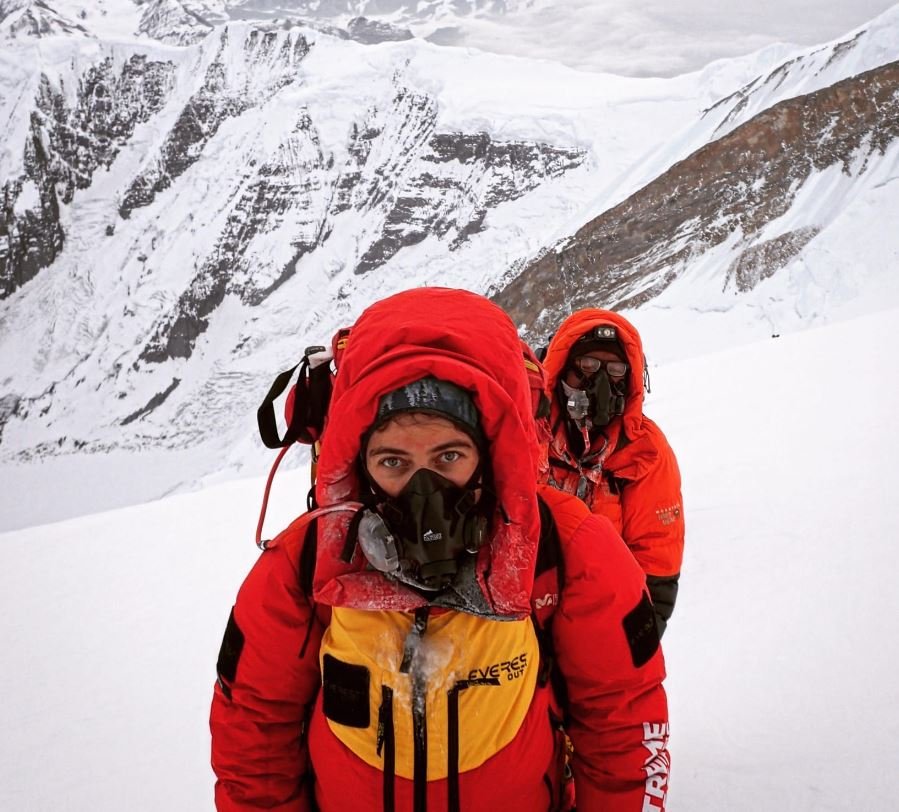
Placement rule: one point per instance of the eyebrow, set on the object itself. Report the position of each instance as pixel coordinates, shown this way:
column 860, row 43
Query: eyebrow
column 383, row 449
column 466, row 443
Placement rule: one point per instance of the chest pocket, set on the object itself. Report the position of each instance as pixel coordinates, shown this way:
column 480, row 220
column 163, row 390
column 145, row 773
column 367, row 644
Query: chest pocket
column 403, row 695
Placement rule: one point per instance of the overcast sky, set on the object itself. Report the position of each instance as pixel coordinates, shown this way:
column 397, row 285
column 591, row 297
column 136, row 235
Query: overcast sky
column 659, row 37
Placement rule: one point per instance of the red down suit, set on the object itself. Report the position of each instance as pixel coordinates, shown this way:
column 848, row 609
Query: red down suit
column 315, row 706
column 629, row 474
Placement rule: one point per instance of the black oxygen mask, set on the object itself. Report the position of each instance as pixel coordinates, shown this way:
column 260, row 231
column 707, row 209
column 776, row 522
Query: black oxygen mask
column 606, row 399
column 595, row 403
column 421, row 535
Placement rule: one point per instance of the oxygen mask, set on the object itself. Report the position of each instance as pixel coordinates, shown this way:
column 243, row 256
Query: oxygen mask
column 420, row 535
column 600, row 395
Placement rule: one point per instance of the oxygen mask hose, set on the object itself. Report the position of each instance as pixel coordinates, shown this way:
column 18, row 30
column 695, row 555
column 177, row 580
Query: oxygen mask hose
column 577, row 403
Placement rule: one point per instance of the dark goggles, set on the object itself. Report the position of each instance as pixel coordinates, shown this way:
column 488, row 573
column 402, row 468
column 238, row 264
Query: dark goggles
column 590, row 366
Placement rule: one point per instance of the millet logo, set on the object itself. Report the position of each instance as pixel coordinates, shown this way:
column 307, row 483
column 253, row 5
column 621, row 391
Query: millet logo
column 430, row 535
column 549, row 599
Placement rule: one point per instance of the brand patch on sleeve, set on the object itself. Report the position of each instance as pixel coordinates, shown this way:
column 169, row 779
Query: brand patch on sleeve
column 345, row 698
column 668, row 514
column 229, row 655
column 641, row 631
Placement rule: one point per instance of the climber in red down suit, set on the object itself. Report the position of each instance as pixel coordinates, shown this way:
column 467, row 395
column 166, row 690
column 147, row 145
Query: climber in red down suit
column 418, row 640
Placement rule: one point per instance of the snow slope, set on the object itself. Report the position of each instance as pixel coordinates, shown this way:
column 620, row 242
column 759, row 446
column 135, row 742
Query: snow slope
column 781, row 654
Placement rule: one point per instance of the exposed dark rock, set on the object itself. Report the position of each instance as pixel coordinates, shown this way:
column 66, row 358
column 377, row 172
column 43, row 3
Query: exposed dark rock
column 157, row 400
column 198, row 122
column 9, row 406
column 418, row 182
column 178, row 22
column 764, row 259
column 362, row 136
column 371, row 32
column 109, row 107
column 36, row 20
column 462, row 168
column 31, row 236
column 205, row 111
column 408, row 223
column 843, row 48
column 770, row 83
column 65, row 149
column 731, row 187
column 274, row 197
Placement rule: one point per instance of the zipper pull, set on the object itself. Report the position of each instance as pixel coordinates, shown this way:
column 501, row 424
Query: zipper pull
column 581, row 492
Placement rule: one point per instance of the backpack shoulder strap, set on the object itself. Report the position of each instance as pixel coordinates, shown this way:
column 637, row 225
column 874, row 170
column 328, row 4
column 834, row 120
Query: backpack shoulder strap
column 306, row 565
column 549, row 548
column 549, row 577
column 306, row 576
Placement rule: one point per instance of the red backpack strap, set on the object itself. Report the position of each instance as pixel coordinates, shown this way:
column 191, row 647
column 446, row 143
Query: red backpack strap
column 548, row 580
column 560, row 515
column 549, row 570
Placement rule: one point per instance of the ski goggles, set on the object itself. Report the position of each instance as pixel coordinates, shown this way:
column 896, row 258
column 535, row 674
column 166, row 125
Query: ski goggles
column 590, row 366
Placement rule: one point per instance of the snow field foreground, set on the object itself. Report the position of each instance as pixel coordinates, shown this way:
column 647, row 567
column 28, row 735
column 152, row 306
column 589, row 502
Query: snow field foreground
column 781, row 655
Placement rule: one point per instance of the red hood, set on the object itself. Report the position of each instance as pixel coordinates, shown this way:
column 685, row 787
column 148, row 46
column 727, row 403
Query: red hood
column 581, row 322
column 456, row 336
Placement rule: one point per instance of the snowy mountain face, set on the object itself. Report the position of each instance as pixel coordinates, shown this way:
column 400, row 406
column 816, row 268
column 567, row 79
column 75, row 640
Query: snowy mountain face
column 179, row 23
column 159, row 191
column 63, row 148
column 181, row 218
column 398, row 11
column 19, row 18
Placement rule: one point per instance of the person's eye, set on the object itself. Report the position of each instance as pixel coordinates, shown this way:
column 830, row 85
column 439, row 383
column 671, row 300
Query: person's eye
column 450, row 456
column 392, row 463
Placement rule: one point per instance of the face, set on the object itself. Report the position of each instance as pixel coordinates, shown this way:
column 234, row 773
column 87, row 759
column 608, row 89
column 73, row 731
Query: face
column 573, row 379
column 408, row 442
